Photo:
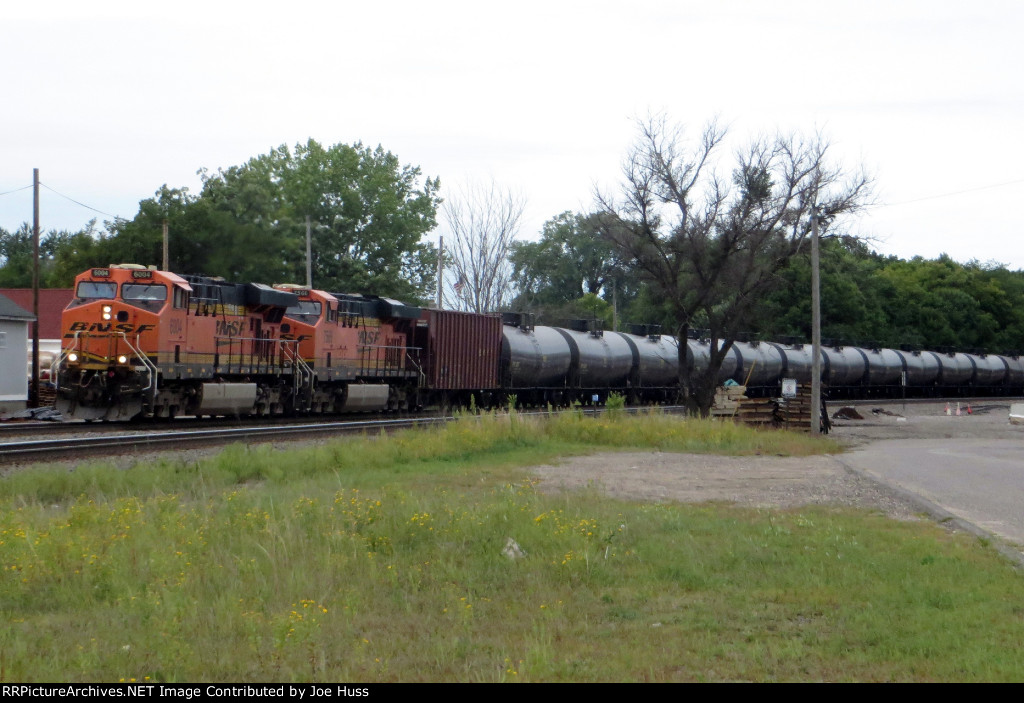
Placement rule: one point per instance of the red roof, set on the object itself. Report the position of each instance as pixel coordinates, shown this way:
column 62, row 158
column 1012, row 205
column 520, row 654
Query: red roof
column 52, row 302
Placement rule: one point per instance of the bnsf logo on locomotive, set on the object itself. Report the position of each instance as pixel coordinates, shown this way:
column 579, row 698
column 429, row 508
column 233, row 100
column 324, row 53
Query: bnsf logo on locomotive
column 230, row 329
column 369, row 336
column 106, row 327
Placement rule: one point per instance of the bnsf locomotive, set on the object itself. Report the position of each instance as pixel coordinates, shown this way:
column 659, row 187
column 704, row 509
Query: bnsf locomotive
column 141, row 342
column 145, row 343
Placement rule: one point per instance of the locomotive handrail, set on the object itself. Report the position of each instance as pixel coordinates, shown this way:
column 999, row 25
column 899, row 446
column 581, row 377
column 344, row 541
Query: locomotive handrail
column 421, row 374
column 304, row 374
column 260, row 359
column 59, row 359
column 375, row 363
column 151, row 368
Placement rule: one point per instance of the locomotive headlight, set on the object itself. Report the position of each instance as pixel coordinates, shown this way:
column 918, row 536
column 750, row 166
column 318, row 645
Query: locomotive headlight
column 72, row 357
column 107, row 310
column 122, row 359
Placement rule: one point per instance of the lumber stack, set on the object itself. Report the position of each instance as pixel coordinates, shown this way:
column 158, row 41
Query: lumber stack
column 790, row 413
column 757, row 411
column 47, row 396
column 728, row 400
column 732, row 402
column 795, row 412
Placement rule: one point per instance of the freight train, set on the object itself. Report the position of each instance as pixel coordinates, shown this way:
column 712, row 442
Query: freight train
column 138, row 342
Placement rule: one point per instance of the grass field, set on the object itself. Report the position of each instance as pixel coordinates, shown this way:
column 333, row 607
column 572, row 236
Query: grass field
column 381, row 559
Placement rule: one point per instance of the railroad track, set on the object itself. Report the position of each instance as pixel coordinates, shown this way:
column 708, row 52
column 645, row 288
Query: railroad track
column 35, row 428
column 141, row 442
column 103, row 439
column 107, row 439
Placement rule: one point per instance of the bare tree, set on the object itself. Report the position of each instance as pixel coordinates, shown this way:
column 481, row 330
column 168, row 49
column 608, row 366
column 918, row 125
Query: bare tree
column 713, row 247
column 483, row 223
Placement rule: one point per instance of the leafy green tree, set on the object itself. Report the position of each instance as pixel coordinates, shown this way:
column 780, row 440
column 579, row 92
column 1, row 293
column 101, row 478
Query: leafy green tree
column 16, row 257
column 571, row 258
column 852, row 296
column 1003, row 297
column 869, row 299
column 368, row 215
column 592, row 306
column 587, row 307
column 57, row 256
column 202, row 239
column 936, row 304
column 73, row 252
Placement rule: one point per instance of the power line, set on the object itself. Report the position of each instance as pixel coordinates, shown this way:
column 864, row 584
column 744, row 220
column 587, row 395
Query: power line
column 16, row 190
column 947, row 195
column 870, row 207
column 87, row 207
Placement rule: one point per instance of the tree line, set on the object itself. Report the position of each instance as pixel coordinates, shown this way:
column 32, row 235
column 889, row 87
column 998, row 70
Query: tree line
column 368, row 214
column 867, row 299
column 689, row 240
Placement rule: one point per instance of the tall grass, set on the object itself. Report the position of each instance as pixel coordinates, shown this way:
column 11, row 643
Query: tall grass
column 383, row 559
column 508, row 437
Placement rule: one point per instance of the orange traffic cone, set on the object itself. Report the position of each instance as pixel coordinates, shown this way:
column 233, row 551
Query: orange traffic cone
column 969, row 409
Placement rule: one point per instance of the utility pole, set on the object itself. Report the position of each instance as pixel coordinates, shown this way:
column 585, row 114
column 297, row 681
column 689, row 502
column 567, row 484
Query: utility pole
column 309, row 254
column 440, row 271
column 615, row 305
column 167, row 264
column 815, row 327
column 33, row 393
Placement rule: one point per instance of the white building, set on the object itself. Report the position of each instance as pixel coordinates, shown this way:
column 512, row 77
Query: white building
column 14, row 339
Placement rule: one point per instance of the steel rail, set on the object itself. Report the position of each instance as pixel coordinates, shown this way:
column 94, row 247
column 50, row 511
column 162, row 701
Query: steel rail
column 80, row 446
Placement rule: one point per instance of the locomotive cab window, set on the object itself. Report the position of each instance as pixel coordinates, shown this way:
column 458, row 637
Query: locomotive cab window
column 87, row 291
column 307, row 311
column 144, row 295
column 94, row 290
column 180, row 298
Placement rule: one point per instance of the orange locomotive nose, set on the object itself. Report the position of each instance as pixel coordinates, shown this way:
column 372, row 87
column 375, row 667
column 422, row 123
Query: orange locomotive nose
column 111, row 335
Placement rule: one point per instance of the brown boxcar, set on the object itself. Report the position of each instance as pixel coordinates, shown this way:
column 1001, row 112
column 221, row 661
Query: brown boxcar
column 459, row 350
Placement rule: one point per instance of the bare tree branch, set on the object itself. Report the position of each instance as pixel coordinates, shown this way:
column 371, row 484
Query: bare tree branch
column 483, row 223
column 712, row 249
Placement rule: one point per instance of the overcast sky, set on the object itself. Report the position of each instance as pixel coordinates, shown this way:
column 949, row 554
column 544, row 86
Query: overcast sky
column 110, row 100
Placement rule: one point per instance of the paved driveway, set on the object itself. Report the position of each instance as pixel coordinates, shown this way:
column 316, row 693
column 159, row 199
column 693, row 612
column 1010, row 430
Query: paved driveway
column 979, row 480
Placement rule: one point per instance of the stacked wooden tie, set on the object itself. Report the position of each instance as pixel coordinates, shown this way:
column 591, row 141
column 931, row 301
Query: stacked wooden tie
column 47, row 396
column 794, row 413
column 732, row 402
column 728, row 400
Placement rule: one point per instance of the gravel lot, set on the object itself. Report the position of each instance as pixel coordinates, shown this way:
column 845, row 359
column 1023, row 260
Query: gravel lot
column 783, row 482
